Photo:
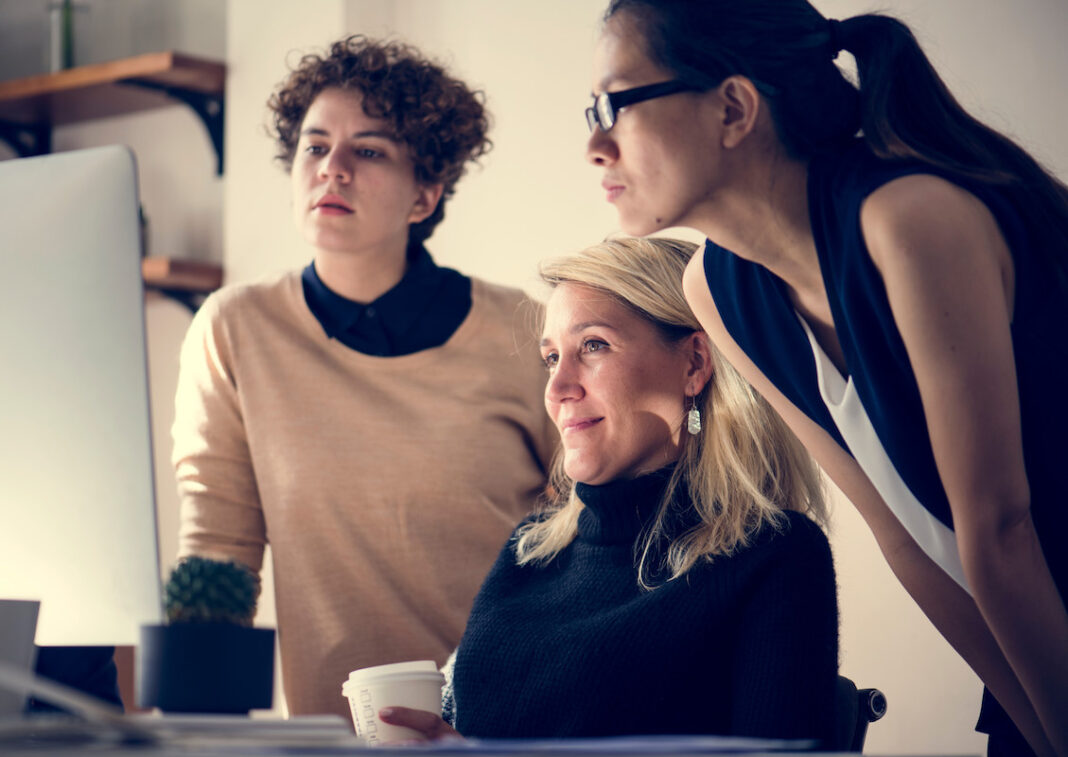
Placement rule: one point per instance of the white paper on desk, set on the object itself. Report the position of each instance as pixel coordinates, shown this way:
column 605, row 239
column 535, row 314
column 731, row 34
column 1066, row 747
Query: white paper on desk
column 218, row 731
column 623, row 745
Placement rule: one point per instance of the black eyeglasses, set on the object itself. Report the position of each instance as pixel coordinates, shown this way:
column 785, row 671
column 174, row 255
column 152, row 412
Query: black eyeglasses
column 607, row 104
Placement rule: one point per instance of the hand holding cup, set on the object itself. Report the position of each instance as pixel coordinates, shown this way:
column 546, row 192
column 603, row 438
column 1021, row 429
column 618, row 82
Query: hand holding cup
column 429, row 725
column 411, row 691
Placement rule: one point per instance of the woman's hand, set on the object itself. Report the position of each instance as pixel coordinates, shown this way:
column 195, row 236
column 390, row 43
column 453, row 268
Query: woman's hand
column 427, row 723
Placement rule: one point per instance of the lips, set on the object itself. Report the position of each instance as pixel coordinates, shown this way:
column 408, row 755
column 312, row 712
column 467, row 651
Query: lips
column 612, row 189
column 332, row 204
column 580, row 424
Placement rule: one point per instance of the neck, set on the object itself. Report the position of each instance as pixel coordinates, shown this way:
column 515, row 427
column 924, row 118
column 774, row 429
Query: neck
column 362, row 276
column 763, row 217
column 618, row 510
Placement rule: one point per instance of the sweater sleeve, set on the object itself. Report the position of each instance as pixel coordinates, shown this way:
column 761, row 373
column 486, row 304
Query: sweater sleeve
column 786, row 663
column 220, row 511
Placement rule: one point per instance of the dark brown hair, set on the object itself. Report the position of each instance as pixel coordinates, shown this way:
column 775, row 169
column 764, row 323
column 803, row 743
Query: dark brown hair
column 443, row 122
column 902, row 107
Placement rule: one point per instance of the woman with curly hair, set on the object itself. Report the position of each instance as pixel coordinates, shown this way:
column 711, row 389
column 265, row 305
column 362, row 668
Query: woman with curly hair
column 375, row 418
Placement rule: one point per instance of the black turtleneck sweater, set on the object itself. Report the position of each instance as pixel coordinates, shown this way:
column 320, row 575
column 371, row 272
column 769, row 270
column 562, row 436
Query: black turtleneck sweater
column 744, row 645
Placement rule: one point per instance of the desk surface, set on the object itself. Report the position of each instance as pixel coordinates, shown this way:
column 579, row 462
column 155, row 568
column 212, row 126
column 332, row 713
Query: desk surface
column 225, row 736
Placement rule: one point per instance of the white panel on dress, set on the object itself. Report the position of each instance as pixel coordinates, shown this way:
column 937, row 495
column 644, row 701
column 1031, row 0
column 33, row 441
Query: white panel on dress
column 840, row 396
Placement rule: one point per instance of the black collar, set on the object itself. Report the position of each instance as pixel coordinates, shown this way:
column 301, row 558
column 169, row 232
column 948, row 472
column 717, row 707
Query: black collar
column 619, row 510
column 421, row 311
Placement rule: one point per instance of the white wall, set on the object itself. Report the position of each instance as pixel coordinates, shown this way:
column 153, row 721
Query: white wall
column 534, row 196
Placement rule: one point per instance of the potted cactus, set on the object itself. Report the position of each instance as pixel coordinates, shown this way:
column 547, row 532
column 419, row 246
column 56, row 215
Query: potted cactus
column 207, row 658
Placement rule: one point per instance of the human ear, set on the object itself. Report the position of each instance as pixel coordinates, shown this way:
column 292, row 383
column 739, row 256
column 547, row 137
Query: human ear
column 426, row 200
column 699, row 368
column 741, row 103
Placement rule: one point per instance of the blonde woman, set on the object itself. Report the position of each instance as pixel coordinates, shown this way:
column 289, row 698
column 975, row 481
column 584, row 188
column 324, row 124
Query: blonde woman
column 678, row 582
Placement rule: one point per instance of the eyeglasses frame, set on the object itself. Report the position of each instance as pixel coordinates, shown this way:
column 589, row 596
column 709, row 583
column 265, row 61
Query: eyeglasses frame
column 607, row 104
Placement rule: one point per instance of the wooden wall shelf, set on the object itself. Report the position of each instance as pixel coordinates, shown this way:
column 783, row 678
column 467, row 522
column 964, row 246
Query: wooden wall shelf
column 195, row 276
column 32, row 105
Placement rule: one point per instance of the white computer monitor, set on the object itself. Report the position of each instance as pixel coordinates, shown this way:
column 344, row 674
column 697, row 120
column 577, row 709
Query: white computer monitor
column 77, row 507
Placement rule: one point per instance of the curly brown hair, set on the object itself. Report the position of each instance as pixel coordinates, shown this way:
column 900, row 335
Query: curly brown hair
column 443, row 122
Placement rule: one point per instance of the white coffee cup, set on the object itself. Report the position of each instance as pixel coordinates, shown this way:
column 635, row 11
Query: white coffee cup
column 403, row 684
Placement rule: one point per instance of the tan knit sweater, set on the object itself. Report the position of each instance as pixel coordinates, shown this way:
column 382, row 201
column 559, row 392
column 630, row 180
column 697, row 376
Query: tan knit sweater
column 385, row 486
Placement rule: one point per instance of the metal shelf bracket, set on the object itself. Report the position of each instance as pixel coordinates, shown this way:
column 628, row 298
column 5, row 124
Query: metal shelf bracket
column 209, row 108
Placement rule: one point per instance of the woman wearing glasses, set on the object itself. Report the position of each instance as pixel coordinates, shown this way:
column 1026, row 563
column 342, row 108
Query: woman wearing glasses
column 676, row 584
column 900, row 298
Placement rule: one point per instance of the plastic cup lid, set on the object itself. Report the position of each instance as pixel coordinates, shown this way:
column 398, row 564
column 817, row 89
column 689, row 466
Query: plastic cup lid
column 416, row 668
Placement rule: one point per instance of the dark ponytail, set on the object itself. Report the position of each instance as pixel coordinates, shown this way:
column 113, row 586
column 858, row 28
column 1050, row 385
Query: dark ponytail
column 902, row 108
column 907, row 112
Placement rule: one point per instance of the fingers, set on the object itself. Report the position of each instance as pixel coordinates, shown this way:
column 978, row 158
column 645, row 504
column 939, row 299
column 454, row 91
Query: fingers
column 427, row 723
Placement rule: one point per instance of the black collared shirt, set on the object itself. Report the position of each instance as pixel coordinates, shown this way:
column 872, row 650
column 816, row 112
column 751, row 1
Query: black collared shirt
column 422, row 311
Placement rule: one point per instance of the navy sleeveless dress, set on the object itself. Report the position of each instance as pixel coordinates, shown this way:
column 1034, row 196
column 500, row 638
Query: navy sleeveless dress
column 759, row 316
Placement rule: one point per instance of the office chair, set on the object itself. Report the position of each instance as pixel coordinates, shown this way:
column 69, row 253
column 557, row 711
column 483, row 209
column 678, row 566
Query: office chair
column 855, row 709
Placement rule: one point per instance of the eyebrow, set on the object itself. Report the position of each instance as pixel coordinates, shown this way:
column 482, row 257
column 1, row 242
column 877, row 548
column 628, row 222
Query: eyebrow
column 317, row 131
column 579, row 327
column 622, row 79
column 608, row 80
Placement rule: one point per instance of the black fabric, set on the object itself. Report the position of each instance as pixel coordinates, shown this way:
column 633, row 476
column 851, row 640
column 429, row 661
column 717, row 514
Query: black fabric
column 744, row 645
column 1005, row 738
column 422, row 311
column 88, row 669
column 1008, row 744
column 776, row 340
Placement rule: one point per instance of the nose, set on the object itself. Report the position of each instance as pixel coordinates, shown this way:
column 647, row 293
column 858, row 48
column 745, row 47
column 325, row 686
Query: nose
column 335, row 165
column 601, row 149
column 564, row 383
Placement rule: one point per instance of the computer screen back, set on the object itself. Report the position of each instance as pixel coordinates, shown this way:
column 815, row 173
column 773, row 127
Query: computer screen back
column 77, row 509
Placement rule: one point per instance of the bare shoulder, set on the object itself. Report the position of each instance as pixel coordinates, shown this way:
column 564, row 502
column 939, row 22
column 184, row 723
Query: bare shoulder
column 926, row 217
column 896, row 205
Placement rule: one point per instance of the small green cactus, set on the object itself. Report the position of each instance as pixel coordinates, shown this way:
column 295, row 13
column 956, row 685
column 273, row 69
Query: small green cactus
column 202, row 590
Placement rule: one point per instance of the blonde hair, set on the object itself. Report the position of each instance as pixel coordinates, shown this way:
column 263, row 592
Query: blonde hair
column 741, row 470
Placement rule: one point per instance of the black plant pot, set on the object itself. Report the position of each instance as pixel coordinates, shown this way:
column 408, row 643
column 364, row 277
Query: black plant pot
column 205, row 667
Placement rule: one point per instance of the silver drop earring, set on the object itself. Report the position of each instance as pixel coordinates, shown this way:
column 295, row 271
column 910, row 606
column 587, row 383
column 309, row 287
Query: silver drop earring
column 693, row 418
